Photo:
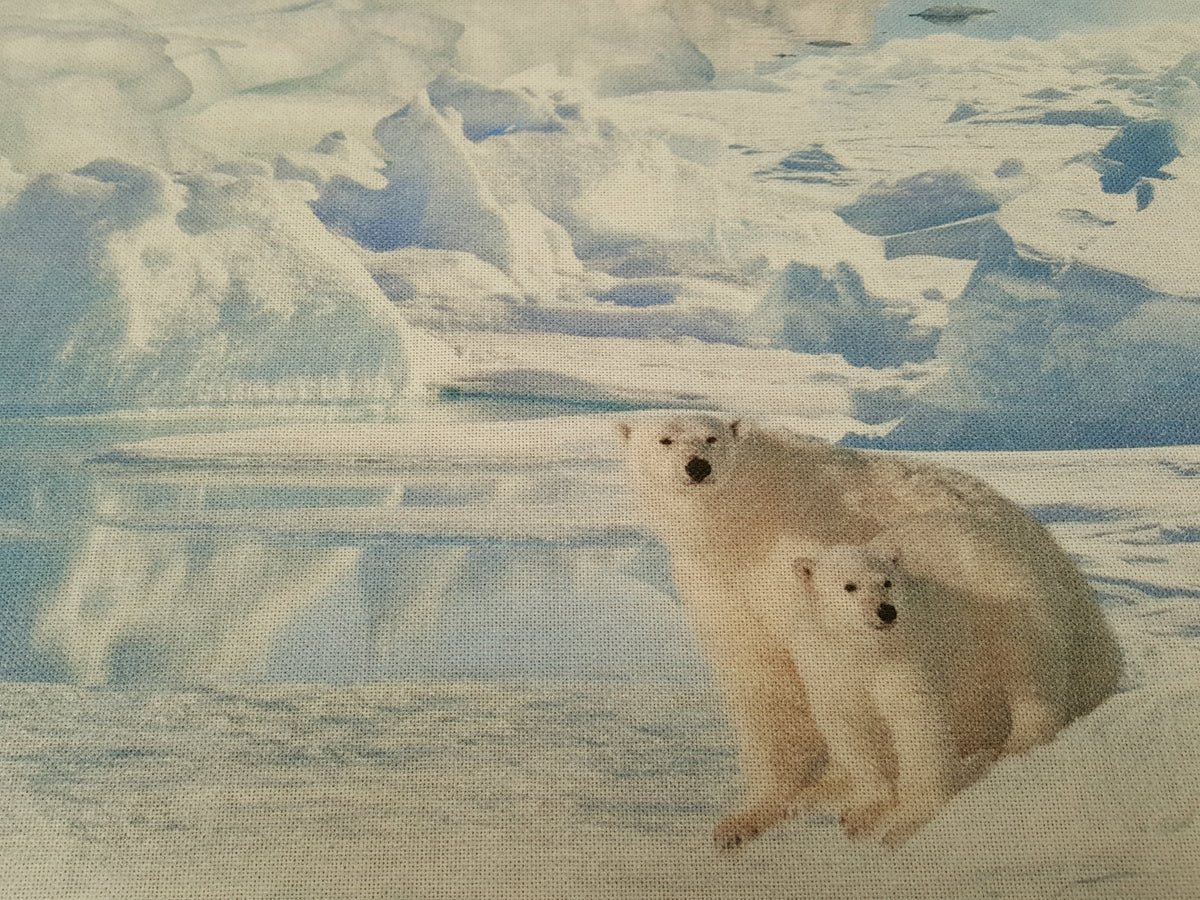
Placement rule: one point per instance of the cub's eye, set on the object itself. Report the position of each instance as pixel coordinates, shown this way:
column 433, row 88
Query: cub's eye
column 887, row 583
column 710, row 440
column 852, row 587
column 666, row 442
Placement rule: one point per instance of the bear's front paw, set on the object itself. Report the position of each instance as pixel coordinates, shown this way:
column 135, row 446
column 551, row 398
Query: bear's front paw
column 751, row 820
column 735, row 831
column 742, row 827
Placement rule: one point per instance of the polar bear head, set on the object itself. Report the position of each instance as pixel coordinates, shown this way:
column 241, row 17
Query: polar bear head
column 852, row 588
column 687, row 452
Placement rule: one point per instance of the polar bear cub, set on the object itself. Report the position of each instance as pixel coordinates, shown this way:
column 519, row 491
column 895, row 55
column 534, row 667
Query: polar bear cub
column 900, row 679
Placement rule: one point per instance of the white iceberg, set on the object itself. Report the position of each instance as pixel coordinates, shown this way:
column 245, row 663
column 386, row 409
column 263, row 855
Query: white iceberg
column 126, row 289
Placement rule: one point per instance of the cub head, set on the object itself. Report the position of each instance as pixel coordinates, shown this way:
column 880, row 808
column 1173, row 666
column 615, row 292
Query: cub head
column 853, row 589
column 688, row 452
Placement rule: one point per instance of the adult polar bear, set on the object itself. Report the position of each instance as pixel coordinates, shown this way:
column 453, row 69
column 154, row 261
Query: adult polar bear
column 724, row 497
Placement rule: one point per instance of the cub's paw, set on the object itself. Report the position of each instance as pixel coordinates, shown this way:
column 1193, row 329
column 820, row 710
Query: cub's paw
column 898, row 830
column 910, row 816
column 900, row 834
column 859, row 821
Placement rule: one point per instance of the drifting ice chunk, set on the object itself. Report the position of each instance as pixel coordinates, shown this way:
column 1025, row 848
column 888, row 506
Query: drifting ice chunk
column 486, row 112
column 951, row 15
column 811, row 312
column 964, row 111
column 814, row 159
column 1143, row 147
column 920, row 201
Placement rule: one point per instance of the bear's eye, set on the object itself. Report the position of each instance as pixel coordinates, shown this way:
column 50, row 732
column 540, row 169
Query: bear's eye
column 666, row 442
column 710, row 440
column 887, row 583
column 851, row 587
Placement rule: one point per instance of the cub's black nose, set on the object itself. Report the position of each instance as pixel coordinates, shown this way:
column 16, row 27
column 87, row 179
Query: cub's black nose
column 698, row 469
column 886, row 613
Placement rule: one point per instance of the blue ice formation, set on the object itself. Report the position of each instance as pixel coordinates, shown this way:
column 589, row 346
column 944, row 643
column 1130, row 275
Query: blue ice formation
column 809, row 311
column 919, row 201
column 122, row 288
column 327, row 571
column 1039, row 354
column 434, row 196
column 1138, row 152
column 487, row 112
column 1143, row 147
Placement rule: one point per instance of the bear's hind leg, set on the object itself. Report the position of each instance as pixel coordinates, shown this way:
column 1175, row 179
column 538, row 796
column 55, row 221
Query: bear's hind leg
column 1033, row 678
column 1035, row 721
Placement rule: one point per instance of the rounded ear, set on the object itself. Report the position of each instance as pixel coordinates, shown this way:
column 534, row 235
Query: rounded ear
column 624, row 431
column 803, row 567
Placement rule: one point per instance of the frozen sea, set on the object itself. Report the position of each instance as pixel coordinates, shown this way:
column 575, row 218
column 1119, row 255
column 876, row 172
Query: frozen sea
column 443, row 659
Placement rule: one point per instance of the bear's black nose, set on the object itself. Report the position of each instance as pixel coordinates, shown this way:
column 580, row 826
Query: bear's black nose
column 698, row 469
column 887, row 613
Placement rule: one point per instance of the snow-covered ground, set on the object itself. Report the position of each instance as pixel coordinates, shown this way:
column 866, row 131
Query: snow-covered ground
column 540, row 791
column 413, row 659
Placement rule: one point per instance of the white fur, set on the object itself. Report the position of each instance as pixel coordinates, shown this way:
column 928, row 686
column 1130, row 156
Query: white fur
column 763, row 488
column 902, row 685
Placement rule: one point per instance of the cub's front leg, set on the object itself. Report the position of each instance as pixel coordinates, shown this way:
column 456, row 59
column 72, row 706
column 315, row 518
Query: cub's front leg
column 928, row 770
column 860, row 749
